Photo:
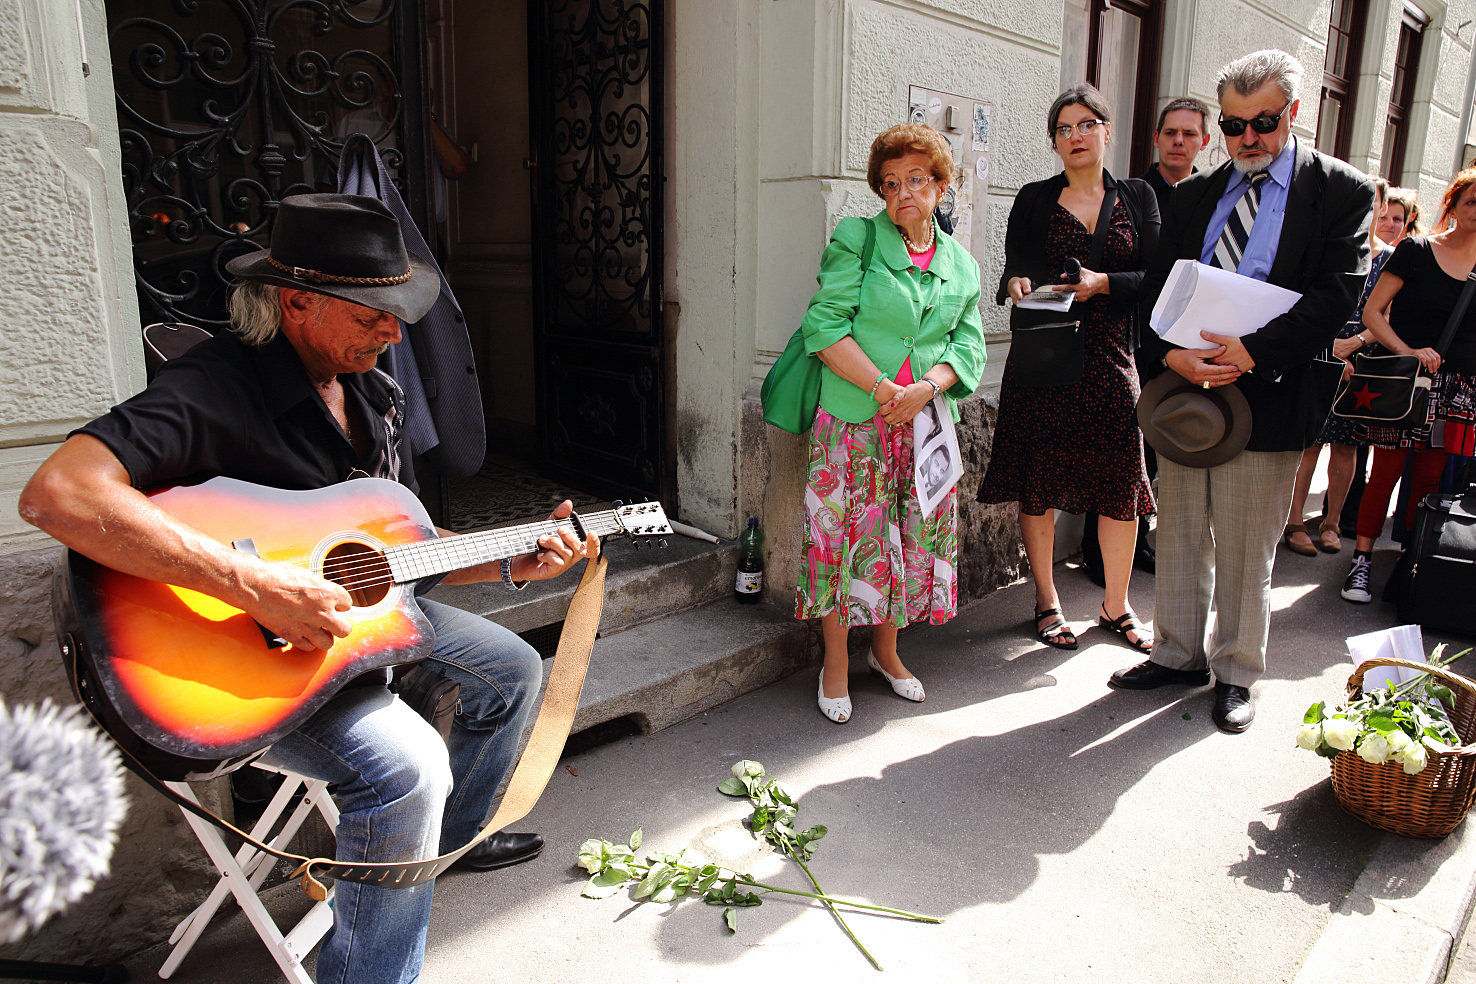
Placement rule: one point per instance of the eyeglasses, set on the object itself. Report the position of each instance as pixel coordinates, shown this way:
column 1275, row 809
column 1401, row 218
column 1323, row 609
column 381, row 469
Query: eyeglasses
column 1085, row 128
column 1234, row 126
column 915, row 183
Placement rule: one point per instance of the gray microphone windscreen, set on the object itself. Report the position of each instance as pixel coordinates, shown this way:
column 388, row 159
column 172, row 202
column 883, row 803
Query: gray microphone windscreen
column 61, row 801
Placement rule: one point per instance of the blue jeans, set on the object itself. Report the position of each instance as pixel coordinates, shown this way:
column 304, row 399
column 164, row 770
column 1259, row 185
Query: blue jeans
column 402, row 796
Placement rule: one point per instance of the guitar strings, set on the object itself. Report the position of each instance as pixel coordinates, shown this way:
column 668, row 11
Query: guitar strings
column 350, row 568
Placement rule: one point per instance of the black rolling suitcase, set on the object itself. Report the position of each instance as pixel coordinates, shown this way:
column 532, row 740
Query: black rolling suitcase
column 1434, row 584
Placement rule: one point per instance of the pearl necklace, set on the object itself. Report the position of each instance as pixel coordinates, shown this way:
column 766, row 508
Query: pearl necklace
column 913, row 247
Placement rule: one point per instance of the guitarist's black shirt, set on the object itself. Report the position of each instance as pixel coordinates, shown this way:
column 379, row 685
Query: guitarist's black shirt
column 227, row 408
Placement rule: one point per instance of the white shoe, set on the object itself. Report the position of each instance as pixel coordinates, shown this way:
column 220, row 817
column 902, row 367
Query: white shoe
column 838, row 709
column 909, row 687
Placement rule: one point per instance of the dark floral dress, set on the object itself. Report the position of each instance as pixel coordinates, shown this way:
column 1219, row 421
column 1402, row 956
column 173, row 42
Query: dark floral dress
column 1077, row 447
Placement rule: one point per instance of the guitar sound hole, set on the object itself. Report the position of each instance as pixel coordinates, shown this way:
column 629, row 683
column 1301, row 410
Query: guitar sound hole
column 362, row 571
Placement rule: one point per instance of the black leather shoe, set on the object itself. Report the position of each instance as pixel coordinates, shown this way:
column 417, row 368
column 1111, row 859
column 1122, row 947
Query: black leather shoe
column 501, row 850
column 1234, row 711
column 1149, row 675
column 1145, row 559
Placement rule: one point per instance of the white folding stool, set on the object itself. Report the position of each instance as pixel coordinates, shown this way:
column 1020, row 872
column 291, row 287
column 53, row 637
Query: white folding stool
column 242, row 874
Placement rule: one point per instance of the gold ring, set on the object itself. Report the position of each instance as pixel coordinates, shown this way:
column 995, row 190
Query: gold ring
column 1206, row 384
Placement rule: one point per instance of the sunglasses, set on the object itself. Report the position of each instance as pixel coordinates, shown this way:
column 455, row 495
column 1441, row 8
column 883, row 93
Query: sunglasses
column 1234, row 126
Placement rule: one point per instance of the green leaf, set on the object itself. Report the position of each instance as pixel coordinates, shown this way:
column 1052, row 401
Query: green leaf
column 665, row 894
column 732, row 786
column 652, row 881
column 730, row 917
column 635, row 838
column 747, row 899
column 1315, row 713
column 816, row 832
column 603, row 885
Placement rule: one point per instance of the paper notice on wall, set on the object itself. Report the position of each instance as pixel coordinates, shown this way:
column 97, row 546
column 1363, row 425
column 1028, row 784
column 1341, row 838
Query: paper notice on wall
column 981, row 127
column 962, row 207
column 981, row 168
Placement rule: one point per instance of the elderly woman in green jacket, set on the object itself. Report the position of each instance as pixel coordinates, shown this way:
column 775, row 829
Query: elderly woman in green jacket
column 895, row 322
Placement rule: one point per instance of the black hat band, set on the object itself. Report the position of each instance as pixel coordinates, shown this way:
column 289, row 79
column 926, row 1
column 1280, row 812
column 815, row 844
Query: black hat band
column 318, row 277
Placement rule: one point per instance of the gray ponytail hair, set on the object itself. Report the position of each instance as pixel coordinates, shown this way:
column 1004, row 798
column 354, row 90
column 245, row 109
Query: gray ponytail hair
column 256, row 314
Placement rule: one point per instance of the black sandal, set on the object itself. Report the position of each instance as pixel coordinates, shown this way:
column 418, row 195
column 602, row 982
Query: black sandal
column 1127, row 622
column 1056, row 633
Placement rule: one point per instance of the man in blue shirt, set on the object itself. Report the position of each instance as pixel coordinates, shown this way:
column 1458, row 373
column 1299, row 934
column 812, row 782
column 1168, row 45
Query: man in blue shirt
column 1280, row 212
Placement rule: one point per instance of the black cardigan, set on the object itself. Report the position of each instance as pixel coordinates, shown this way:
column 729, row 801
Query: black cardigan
column 1030, row 217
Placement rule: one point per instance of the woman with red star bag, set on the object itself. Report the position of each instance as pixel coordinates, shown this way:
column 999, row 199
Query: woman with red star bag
column 1421, row 307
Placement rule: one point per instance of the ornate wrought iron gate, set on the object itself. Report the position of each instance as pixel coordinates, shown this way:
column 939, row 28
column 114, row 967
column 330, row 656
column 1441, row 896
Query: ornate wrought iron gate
column 227, row 106
column 596, row 91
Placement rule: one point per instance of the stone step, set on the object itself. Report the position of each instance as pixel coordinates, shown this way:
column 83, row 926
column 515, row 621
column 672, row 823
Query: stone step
column 641, row 584
column 668, row 670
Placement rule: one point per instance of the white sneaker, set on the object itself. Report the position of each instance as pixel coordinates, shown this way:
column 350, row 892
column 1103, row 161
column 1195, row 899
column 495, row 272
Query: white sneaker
column 838, row 709
column 908, row 687
column 1355, row 588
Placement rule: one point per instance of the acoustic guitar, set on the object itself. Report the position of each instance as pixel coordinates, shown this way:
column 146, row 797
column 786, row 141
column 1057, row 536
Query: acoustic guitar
column 193, row 687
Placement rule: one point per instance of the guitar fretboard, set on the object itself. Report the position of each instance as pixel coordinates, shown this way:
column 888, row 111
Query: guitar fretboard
column 414, row 561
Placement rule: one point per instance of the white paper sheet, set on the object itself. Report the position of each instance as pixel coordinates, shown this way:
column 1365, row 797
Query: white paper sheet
column 1197, row 297
column 936, row 463
column 1401, row 642
column 1046, row 299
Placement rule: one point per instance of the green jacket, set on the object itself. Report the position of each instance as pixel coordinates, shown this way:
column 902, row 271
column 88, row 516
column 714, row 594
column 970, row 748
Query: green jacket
column 896, row 311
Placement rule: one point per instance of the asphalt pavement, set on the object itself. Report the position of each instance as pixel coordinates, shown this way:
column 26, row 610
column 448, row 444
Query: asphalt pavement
column 1064, row 830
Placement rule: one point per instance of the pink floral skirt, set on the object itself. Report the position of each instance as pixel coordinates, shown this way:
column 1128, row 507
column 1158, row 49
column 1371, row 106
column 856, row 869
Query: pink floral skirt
column 870, row 555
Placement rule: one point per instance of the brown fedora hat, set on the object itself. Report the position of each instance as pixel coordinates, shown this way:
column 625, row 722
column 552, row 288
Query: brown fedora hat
column 344, row 246
column 1191, row 425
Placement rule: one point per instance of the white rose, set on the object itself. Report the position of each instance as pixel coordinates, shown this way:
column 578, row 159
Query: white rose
column 1374, row 750
column 1340, row 733
column 1310, row 737
column 1398, row 742
column 1413, row 759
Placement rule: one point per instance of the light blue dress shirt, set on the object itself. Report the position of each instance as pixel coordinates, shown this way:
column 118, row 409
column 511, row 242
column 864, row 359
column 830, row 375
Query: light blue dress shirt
column 1260, row 251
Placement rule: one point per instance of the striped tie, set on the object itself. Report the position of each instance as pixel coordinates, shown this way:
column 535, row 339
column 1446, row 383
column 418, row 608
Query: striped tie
column 1237, row 231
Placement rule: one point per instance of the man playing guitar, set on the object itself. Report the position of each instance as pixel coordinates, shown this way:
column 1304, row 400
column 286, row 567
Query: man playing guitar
column 292, row 400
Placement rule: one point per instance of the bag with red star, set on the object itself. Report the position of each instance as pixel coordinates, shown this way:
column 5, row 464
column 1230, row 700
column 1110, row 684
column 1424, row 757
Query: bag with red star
column 1389, row 390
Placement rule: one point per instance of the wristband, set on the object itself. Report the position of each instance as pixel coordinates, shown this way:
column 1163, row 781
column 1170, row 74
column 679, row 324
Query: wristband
column 507, row 577
column 936, row 388
column 1362, row 340
column 874, row 385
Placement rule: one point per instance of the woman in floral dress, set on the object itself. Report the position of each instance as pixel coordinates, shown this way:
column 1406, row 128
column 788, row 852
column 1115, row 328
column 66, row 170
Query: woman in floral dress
column 895, row 323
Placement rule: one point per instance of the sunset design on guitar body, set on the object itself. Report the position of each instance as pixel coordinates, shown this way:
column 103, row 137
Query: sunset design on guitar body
column 197, row 678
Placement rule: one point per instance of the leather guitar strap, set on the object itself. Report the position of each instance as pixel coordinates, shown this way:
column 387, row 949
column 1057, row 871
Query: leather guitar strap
column 540, row 758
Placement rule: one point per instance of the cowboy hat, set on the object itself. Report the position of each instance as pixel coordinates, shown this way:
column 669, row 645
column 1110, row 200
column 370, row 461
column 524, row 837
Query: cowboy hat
column 1193, row 426
column 344, row 246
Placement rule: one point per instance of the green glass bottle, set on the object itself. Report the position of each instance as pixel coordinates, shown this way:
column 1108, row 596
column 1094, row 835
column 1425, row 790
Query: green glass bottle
column 748, row 587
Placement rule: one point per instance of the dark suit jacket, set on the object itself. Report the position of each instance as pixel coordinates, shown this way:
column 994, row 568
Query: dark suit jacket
column 1030, row 218
column 1323, row 254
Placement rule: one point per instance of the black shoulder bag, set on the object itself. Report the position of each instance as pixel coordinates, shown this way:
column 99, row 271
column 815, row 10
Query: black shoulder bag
column 1394, row 390
column 1047, row 348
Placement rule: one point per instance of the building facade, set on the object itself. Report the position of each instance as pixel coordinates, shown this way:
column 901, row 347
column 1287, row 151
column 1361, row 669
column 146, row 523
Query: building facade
column 751, row 120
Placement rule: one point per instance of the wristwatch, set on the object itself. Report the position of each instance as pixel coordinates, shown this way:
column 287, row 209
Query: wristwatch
column 507, row 577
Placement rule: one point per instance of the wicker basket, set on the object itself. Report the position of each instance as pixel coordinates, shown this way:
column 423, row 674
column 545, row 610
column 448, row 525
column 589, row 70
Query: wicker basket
column 1430, row 804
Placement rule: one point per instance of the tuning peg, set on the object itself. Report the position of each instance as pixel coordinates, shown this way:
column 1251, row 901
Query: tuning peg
column 662, row 541
column 616, row 504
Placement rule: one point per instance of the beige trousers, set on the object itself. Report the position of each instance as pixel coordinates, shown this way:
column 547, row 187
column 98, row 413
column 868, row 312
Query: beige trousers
column 1218, row 529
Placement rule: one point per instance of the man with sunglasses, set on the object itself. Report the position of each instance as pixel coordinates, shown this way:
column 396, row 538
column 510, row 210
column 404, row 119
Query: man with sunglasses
column 1280, row 212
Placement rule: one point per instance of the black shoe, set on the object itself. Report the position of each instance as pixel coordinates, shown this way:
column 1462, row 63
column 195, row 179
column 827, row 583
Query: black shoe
column 1145, row 559
column 502, row 850
column 1234, row 711
column 1150, row 675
